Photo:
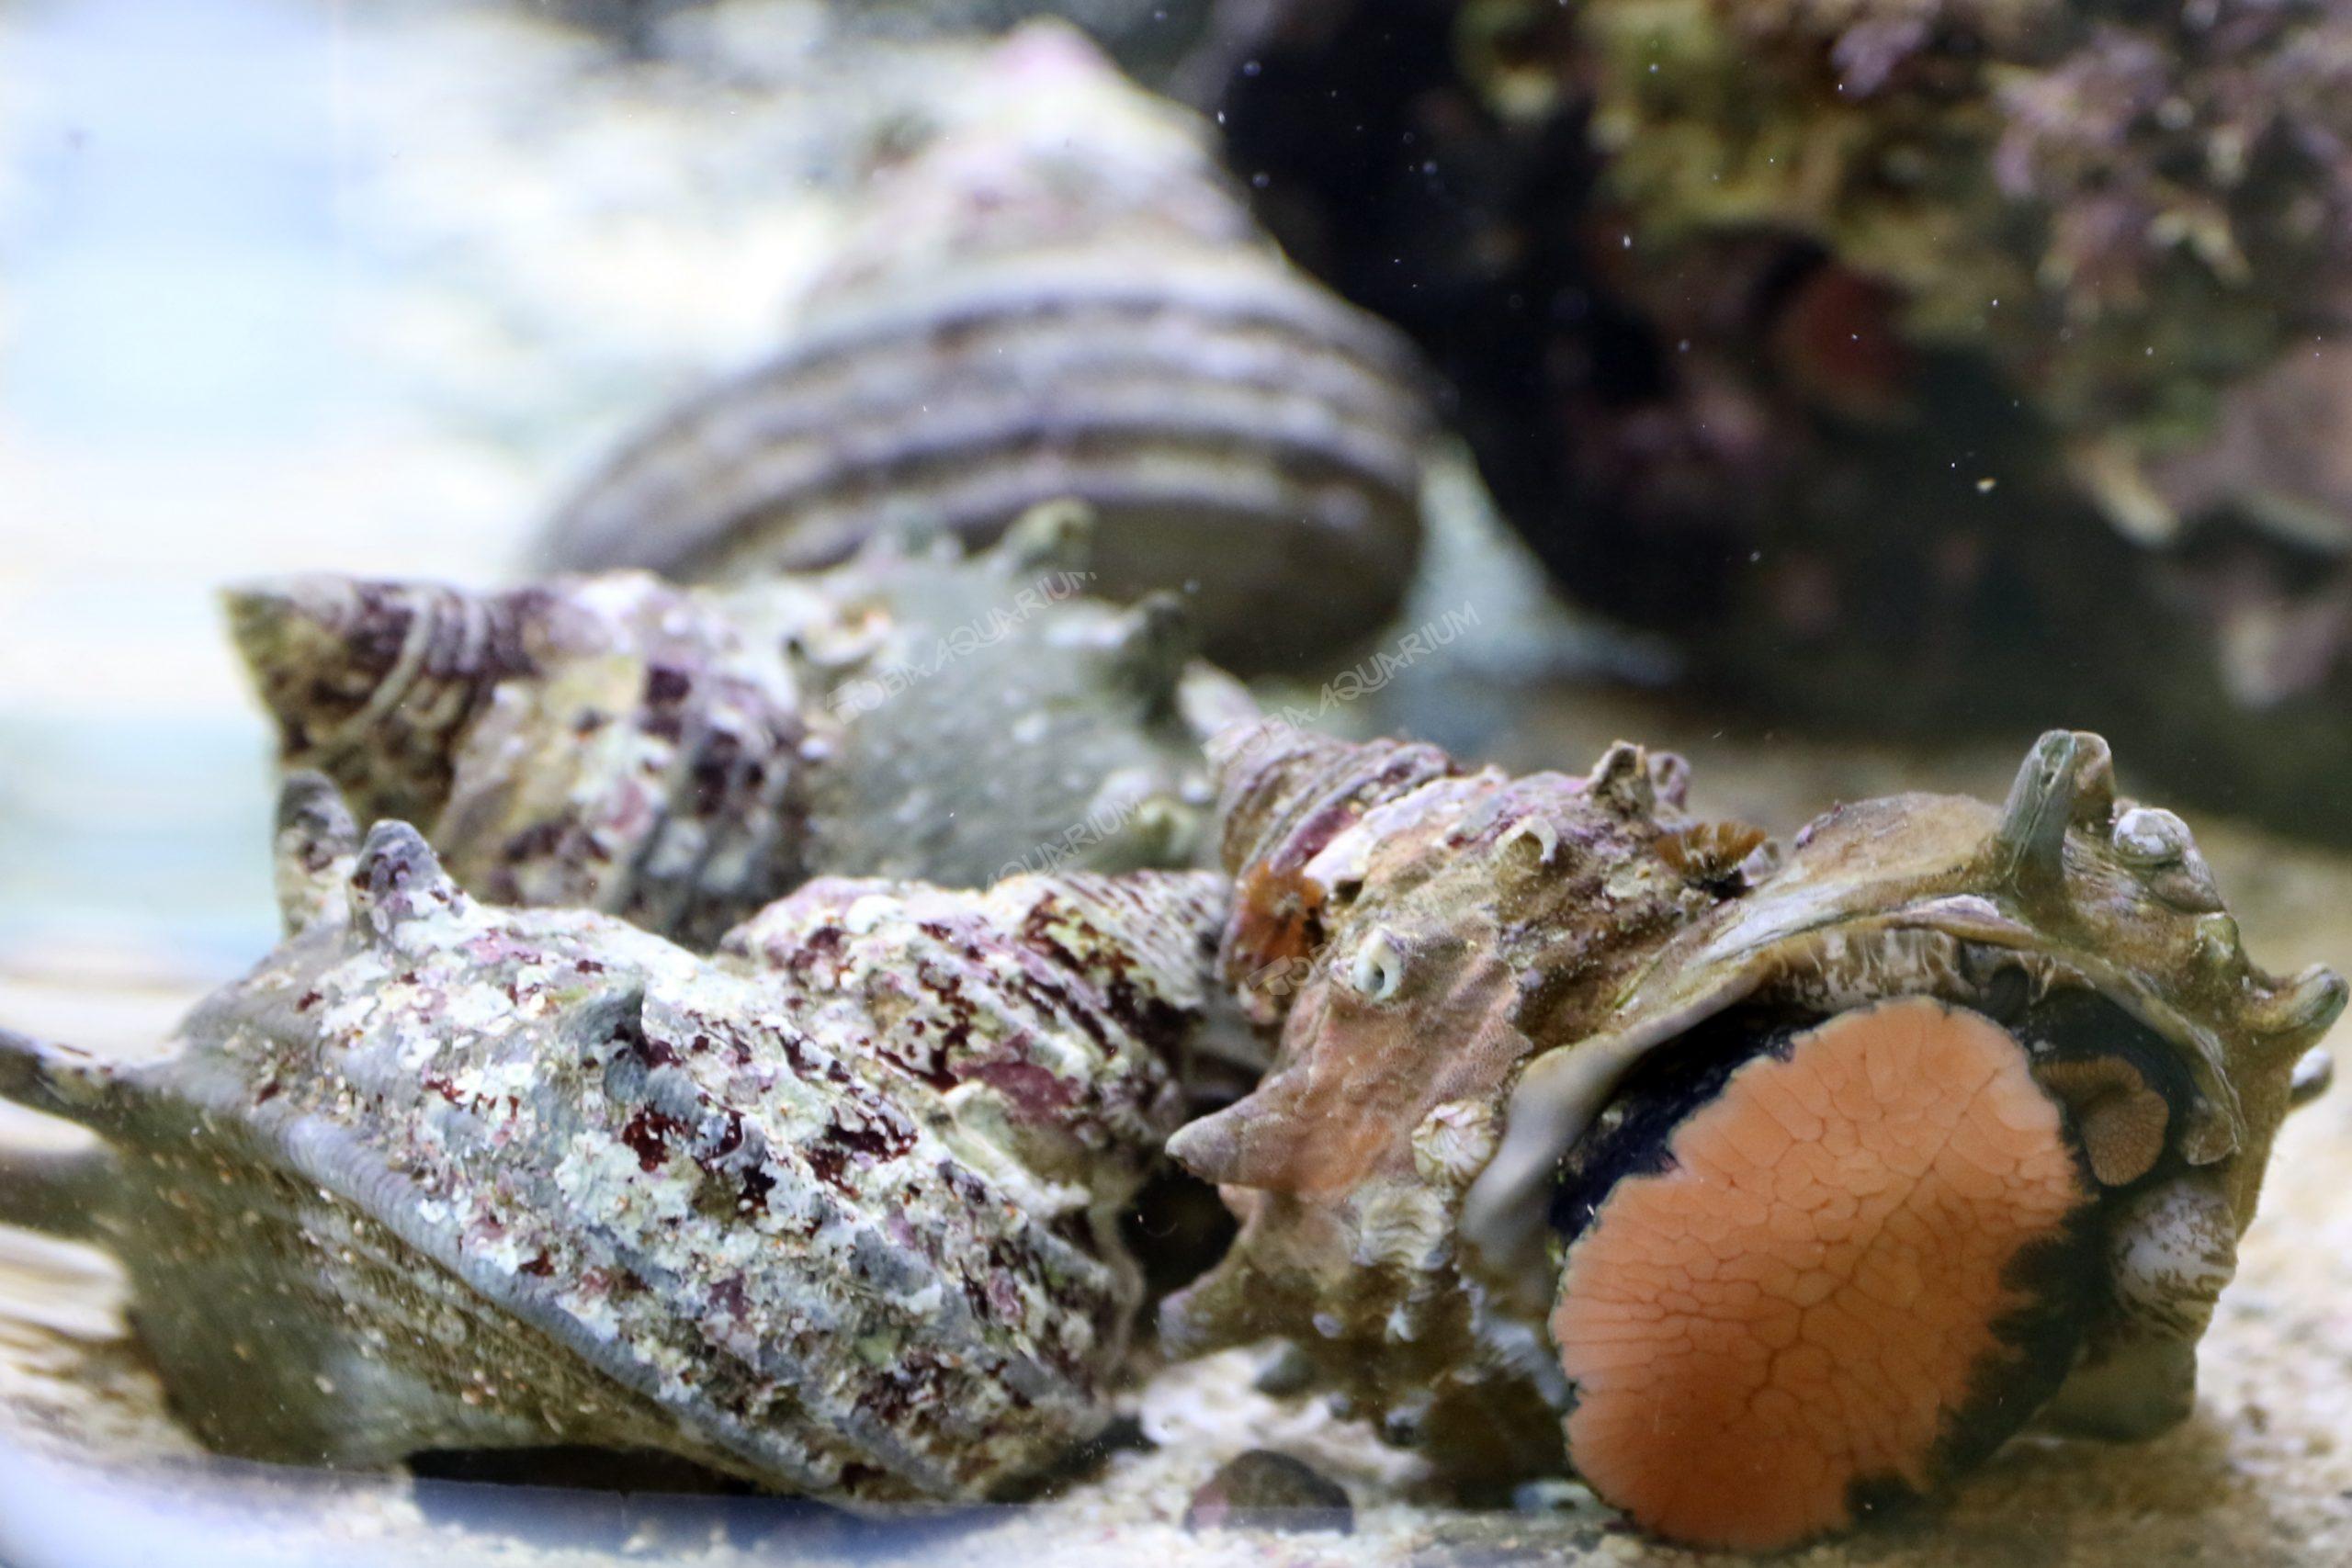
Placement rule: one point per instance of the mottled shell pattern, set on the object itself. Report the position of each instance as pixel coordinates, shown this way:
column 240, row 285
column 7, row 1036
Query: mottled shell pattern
column 1474, row 975
column 1420, row 933
column 682, row 757
column 1020, row 315
column 833, row 1211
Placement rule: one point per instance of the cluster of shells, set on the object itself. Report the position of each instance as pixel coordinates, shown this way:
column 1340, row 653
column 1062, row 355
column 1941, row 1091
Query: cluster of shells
column 732, row 1021
column 835, row 1208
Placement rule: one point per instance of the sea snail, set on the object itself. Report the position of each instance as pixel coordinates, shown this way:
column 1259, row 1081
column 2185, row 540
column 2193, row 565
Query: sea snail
column 1762, row 1189
column 834, row 1212
column 1016, row 314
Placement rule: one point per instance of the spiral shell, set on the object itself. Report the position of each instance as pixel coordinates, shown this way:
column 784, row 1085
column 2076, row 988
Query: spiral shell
column 1518, row 1014
column 1020, row 316
column 682, row 757
column 833, row 1212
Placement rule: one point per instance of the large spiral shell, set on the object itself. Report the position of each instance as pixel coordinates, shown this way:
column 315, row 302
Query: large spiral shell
column 1022, row 315
column 833, row 1213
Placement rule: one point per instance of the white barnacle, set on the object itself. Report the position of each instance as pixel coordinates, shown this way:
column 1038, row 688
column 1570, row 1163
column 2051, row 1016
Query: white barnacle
column 2156, row 844
column 2147, row 836
column 1454, row 1142
column 1536, row 830
column 1378, row 967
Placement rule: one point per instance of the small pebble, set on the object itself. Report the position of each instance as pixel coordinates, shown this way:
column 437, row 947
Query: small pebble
column 1289, row 1371
column 1555, row 1494
column 1265, row 1490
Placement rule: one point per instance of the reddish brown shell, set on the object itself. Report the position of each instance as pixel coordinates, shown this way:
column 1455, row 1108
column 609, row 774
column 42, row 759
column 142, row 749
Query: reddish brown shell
column 1484, row 985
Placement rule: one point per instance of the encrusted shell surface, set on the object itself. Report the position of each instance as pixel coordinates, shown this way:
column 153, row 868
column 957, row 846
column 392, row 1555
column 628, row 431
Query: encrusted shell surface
column 1467, row 969
column 833, row 1211
column 1407, row 922
column 681, row 757
column 1022, row 315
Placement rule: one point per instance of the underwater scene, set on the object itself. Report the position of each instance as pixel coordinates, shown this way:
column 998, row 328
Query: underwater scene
column 1322, row 782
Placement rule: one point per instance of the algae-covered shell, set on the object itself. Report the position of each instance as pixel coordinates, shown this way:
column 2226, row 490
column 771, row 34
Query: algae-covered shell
column 996, row 716
column 832, row 1214
column 1022, row 315
column 681, row 757
column 1961, row 1107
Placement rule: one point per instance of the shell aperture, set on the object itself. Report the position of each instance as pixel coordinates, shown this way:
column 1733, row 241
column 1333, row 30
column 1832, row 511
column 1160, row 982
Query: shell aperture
column 1866, row 1254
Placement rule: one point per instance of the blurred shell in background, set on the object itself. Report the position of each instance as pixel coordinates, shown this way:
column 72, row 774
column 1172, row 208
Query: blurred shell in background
column 1018, row 314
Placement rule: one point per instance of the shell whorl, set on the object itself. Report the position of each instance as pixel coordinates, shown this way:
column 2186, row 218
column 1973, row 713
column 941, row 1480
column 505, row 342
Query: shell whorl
column 1282, row 789
column 374, row 680
column 1118, row 961
column 1012, row 322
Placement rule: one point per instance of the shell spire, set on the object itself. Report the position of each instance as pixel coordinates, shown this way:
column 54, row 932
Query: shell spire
column 1013, row 316
column 612, row 744
column 374, row 682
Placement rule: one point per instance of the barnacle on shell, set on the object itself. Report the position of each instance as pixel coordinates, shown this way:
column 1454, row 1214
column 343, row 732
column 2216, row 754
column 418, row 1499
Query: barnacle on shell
column 681, row 757
column 832, row 1212
column 1019, row 315
column 1773, row 1196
